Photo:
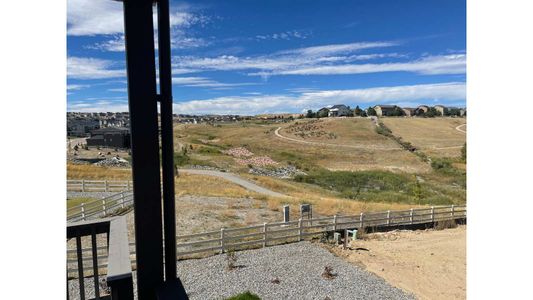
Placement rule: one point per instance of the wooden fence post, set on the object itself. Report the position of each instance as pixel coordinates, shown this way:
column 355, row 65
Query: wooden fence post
column 411, row 216
column 106, row 186
column 432, row 214
column 122, row 199
column 221, row 240
column 453, row 211
column 83, row 185
column 345, row 238
column 103, row 207
column 335, row 222
column 388, row 217
column 83, row 211
column 299, row 229
column 264, row 235
column 361, row 216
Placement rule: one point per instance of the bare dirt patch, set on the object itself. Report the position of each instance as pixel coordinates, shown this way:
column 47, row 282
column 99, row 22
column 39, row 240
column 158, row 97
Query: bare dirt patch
column 430, row 264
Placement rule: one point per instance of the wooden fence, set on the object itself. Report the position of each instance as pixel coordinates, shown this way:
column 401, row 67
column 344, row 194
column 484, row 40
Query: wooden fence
column 269, row 234
column 83, row 185
column 100, row 207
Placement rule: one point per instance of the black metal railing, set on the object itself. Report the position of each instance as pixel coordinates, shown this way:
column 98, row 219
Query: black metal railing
column 119, row 274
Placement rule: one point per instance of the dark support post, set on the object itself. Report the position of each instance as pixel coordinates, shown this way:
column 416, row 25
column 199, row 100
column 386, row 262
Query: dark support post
column 140, row 61
column 167, row 145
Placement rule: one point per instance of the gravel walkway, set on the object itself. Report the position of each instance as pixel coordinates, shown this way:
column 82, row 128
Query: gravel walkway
column 298, row 267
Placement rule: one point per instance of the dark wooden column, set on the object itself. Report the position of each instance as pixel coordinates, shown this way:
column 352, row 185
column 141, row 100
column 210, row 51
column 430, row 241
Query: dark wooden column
column 140, row 60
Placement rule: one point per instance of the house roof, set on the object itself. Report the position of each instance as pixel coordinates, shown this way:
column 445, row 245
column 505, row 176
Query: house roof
column 339, row 106
column 111, row 130
column 386, row 106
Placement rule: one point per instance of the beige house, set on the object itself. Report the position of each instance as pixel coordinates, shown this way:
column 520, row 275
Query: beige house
column 384, row 110
column 409, row 111
column 421, row 109
column 441, row 109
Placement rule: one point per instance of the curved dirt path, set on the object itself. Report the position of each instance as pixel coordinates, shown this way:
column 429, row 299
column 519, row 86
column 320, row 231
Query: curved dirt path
column 235, row 179
column 458, row 128
column 334, row 145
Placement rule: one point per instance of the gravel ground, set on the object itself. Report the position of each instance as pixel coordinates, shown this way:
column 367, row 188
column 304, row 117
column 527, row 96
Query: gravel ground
column 298, row 267
column 96, row 195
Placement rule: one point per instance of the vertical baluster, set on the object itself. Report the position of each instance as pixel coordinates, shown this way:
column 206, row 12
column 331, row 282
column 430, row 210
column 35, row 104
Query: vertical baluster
column 68, row 296
column 265, row 234
column 95, row 265
column 221, row 240
column 80, row 268
column 83, row 211
column 300, row 229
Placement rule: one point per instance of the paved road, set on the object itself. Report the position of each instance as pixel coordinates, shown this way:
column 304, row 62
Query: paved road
column 235, row 179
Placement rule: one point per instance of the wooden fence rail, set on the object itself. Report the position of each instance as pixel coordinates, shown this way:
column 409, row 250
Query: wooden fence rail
column 269, row 234
column 100, row 207
column 83, row 185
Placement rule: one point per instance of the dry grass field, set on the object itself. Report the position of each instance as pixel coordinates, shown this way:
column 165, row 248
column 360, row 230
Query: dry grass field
column 355, row 171
column 366, row 152
column 434, row 136
column 324, row 202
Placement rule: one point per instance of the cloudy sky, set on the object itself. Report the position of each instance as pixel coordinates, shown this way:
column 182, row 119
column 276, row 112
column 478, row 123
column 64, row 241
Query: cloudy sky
column 251, row 57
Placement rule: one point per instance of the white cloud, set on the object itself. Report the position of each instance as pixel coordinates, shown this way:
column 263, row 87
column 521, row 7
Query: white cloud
column 98, row 106
column 94, row 17
column 204, row 82
column 451, row 93
column 316, row 99
column 287, row 35
column 447, row 64
column 326, row 60
column 118, row 90
column 339, row 48
column 75, row 87
column 105, row 17
column 92, row 68
column 282, row 60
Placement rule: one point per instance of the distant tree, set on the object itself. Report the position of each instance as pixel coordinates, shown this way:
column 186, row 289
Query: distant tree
column 453, row 112
column 322, row 113
column 431, row 113
column 357, row 111
column 397, row 112
column 310, row 114
column 363, row 113
column 371, row 111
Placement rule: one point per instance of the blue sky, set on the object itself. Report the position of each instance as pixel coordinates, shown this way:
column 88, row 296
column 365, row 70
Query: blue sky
column 251, row 57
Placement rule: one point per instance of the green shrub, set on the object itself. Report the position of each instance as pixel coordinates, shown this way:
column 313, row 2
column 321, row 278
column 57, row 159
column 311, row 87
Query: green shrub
column 245, row 296
column 181, row 159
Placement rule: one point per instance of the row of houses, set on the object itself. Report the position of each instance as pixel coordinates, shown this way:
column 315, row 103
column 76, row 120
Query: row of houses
column 340, row 110
column 82, row 123
column 392, row 110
